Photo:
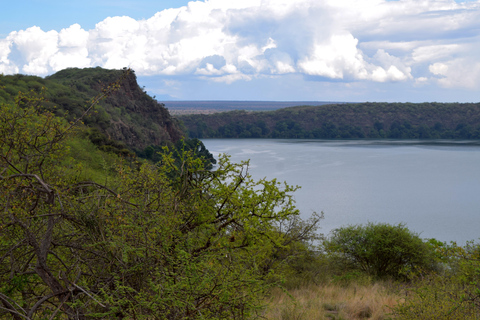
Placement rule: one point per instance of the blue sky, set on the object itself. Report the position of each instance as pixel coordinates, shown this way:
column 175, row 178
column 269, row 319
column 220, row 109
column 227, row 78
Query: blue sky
column 324, row 50
column 56, row 15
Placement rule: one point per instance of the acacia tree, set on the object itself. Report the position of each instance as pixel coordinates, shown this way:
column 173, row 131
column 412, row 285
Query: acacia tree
column 39, row 224
column 165, row 241
column 381, row 250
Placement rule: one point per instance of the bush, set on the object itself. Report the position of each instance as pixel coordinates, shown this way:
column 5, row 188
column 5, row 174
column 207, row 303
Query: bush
column 165, row 241
column 380, row 250
column 453, row 293
column 438, row 297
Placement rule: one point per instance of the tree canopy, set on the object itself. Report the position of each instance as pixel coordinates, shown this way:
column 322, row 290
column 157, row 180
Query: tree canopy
column 381, row 250
column 343, row 121
column 171, row 240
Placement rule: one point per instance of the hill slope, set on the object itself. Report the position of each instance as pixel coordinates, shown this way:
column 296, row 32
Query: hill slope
column 128, row 116
column 359, row 120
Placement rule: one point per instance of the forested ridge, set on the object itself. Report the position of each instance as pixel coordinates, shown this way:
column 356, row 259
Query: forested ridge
column 344, row 121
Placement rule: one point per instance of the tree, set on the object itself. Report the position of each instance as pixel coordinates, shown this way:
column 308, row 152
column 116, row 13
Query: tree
column 381, row 250
column 171, row 240
column 38, row 200
column 199, row 151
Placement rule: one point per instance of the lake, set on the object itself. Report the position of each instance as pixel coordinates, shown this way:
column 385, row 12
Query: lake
column 431, row 186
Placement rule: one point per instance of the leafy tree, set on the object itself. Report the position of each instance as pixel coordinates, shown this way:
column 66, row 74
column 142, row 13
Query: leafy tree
column 198, row 150
column 148, row 244
column 156, row 153
column 381, row 250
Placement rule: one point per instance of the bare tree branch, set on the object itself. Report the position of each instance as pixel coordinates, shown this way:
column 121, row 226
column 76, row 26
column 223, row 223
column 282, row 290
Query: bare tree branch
column 10, row 308
column 42, row 300
column 88, row 294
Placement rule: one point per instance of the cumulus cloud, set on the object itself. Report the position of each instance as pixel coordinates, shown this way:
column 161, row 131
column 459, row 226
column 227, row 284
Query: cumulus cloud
column 5, row 65
column 230, row 40
column 457, row 73
column 35, row 48
column 72, row 49
column 335, row 57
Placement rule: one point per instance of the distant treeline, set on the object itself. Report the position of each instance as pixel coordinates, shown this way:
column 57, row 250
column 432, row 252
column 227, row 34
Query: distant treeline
column 231, row 105
column 344, row 121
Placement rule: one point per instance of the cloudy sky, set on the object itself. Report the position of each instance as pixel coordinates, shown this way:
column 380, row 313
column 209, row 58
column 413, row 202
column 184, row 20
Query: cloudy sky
column 303, row 50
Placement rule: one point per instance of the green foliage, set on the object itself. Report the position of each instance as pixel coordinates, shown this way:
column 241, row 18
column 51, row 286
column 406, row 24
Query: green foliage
column 129, row 118
column 108, row 145
column 87, row 161
column 198, row 150
column 381, row 250
column 437, row 298
column 155, row 153
column 453, row 293
column 170, row 240
column 297, row 261
column 344, row 121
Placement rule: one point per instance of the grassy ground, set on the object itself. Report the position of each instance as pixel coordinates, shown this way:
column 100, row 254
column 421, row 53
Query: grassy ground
column 354, row 301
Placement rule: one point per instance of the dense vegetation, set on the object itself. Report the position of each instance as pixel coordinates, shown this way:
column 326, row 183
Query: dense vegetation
column 126, row 121
column 344, row 121
column 135, row 240
column 353, row 277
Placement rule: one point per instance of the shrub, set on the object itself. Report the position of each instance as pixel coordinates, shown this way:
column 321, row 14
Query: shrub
column 380, row 250
column 454, row 293
column 437, row 297
column 165, row 241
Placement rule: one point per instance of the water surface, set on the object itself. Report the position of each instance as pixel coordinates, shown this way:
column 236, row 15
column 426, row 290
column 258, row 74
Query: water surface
column 432, row 186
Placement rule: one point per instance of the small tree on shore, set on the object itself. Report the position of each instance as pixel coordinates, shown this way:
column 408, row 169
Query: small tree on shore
column 380, row 250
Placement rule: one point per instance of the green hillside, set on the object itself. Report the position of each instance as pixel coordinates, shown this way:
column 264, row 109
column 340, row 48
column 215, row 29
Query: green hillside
column 87, row 234
column 127, row 118
column 344, row 121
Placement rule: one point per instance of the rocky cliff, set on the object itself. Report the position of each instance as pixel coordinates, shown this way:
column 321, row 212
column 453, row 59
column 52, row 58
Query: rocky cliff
column 128, row 115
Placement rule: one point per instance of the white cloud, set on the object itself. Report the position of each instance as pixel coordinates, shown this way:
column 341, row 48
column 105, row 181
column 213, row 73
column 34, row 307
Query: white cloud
column 72, row 49
column 4, row 51
column 457, row 73
column 335, row 58
column 391, row 74
column 73, row 58
column 282, row 67
column 232, row 78
column 5, row 65
column 74, row 36
column 434, row 52
column 36, row 47
column 438, row 69
column 349, row 40
column 421, row 81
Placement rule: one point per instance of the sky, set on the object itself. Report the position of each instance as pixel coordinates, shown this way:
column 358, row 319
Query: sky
column 277, row 50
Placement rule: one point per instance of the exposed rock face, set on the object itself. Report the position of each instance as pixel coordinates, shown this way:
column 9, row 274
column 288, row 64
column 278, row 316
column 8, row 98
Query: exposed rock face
column 128, row 115
column 147, row 122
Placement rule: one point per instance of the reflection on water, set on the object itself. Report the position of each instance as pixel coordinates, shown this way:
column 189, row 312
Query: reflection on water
column 432, row 186
column 387, row 143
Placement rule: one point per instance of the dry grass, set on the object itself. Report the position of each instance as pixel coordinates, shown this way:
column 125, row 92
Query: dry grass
column 332, row 302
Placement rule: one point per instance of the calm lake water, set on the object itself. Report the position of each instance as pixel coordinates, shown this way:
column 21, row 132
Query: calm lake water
column 432, row 187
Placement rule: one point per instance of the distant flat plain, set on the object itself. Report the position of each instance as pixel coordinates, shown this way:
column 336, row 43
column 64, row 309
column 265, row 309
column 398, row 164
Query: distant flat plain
column 206, row 107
